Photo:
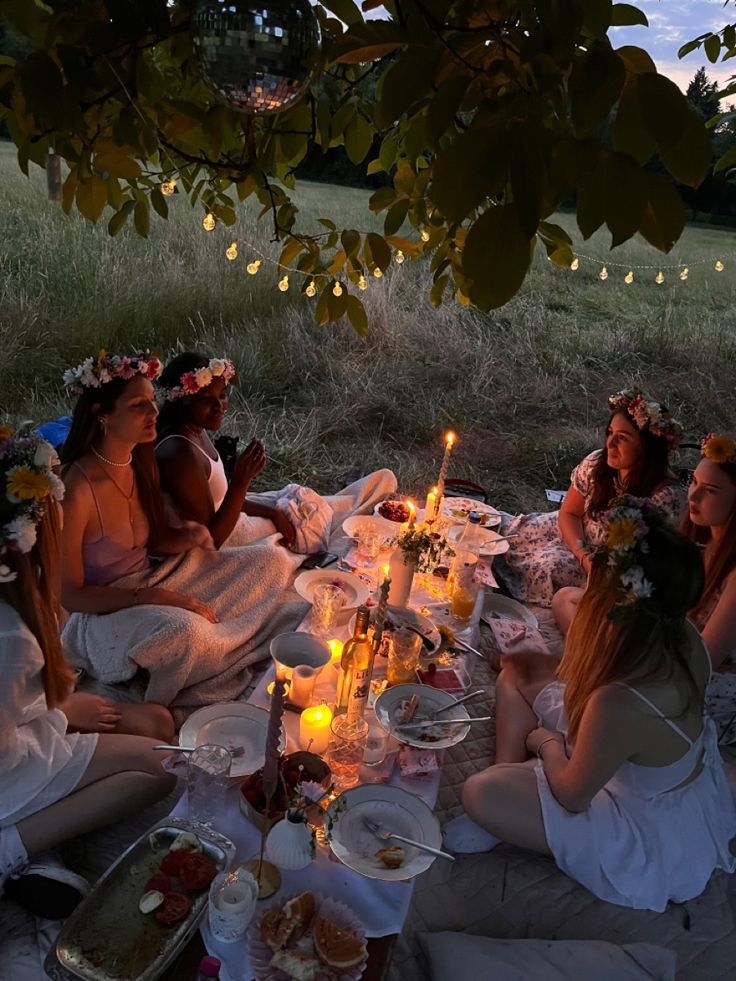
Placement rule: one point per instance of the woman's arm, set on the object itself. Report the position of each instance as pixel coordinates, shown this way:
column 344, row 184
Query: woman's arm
column 570, row 524
column 279, row 519
column 719, row 633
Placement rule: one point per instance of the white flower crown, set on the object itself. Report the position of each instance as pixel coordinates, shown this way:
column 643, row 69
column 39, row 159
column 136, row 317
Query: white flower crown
column 647, row 414
column 192, row 382
column 94, row 372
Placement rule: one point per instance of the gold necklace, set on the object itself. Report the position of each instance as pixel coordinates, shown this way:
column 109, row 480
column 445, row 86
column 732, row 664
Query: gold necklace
column 127, row 497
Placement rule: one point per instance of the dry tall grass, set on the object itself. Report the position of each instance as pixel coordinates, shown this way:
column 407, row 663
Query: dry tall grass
column 524, row 387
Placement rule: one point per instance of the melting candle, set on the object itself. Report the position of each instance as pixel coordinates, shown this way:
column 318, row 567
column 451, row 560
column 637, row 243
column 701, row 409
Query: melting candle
column 314, row 728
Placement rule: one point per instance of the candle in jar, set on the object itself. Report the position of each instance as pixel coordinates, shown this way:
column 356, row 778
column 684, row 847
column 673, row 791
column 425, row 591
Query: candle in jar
column 302, row 686
column 314, row 728
column 234, row 896
column 336, row 647
column 430, row 508
column 449, row 443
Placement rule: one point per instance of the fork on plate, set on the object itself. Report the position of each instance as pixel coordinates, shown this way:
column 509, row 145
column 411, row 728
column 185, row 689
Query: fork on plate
column 375, row 829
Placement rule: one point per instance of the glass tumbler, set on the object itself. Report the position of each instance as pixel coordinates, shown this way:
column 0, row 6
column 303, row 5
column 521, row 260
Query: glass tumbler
column 208, row 770
column 346, row 749
column 327, row 601
column 369, row 545
column 403, row 657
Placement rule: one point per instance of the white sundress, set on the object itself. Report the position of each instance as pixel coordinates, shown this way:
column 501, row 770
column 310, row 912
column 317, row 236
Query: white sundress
column 640, row 843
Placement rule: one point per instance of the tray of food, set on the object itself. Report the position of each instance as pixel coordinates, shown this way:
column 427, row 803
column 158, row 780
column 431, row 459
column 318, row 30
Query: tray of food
column 145, row 908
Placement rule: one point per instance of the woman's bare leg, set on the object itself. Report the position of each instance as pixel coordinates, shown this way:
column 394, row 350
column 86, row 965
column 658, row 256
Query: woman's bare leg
column 521, row 679
column 148, row 719
column 504, row 801
column 564, row 606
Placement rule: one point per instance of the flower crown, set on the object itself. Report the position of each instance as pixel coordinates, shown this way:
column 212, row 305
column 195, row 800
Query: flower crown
column 192, row 382
column 27, row 464
column 647, row 414
column 94, row 372
column 718, row 448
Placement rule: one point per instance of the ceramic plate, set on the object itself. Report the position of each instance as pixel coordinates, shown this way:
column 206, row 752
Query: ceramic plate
column 235, row 725
column 493, row 544
column 458, row 508
column 385, row 530
column 389, row 707
column 393, row 809
column 501, row 606
column 356, row 592
column 401, row 616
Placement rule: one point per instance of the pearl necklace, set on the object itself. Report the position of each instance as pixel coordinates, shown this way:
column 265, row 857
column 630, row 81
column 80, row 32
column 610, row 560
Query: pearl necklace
column 112, row 463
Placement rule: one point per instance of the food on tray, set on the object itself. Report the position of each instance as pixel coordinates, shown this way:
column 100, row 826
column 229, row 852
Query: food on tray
column 159, row 882
column 337, row 947
column 186, row 842
column 174, row 908
column 409, row 707
column 196, row 872
column 280, row 927
column 414, row 710
column 172, row 862
column 395, row 510
column 150, row 901
column 297, row 964
column 392, row 857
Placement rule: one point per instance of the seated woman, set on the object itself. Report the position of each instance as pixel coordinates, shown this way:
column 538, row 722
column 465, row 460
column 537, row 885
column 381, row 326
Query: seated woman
column 54, row 785
column 194, row 390
column 192, row 621
column 627, row 792
column 711, row 523
column 550, row 550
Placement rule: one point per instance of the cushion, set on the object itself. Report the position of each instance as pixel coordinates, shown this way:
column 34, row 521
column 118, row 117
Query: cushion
column 464, row 957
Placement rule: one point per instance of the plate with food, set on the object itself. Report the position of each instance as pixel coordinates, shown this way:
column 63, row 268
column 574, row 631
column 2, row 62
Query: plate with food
column 356, row 591
column 491, row 544
column 395, row 509
column 498, row 607
column 237, row 726
column 404, row 704
column 457, row 509
column 385, row 532
column 307, row 936
column 392, row 809
column 402, row 616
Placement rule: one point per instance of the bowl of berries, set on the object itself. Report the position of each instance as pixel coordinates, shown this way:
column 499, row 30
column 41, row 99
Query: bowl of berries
column 393, row 509
column 294, row 770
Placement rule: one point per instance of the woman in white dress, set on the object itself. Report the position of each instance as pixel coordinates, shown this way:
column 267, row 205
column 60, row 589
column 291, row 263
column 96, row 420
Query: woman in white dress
column 627, row 791
column 54, row 784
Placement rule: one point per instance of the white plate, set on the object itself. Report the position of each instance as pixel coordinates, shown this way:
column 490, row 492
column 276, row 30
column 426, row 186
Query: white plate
column 388, row 705
column 493, row 544
column 390, row 521
column 508, row 608
column 395, row 810
column 457, row 509
column 402, row 616
column 234, row 725
column 356, row 592
column 385, row 530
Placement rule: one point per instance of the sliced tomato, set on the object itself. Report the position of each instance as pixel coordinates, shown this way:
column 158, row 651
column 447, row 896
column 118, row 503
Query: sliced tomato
column 159, row 881
column 197, row 872
column 172, row 862
column 173, row 909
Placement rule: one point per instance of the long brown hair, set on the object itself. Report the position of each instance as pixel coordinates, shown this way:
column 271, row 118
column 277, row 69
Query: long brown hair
column 600, row 650
column 34, row 594
column 723, row 560
column 652, row 470
column 85, row 429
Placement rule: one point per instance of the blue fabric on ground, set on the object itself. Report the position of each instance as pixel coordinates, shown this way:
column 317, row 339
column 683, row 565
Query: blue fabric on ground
column 56, row 431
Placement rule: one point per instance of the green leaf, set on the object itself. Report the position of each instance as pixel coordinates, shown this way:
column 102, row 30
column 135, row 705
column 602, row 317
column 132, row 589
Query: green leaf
column 468, row 170
column 444, row 106
column 356, row 315
column 496, row 257
column 120, row 218
column 664, row 216
column 689, row 159
column 328, row 223
column 322, row 308
column 630, row 134
column 340, row 120
column 624, row 15
column 624, row 197
column 387, row 153
column 69, row 190
column 596, row 17
column 142, row 217
column 346, row 10
column 438, row 289
column 687, row 48
column 727, row 160
column 367, row 42
column 290, row 251
column 636, row 60
column 556, row 233
column 596, row 83
column 159, row 203
column 712, row 46
column 117, row 164
column 384, row 197
column 663, row 108
column 374, row 167
column 395, row 217
column 406, row 81
column 337, row 305
column 43, row 88
column 404, row 181
column 379, row 251
column 528, row 170
column 350, row 240
column 358, row 139
column 92, row 197
column 591, row 206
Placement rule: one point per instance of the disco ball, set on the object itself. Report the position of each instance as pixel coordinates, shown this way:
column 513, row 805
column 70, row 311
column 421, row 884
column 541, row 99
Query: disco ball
column 256, row 57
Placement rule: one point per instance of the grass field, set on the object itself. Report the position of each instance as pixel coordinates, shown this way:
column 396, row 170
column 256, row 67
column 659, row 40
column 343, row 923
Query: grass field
column 524, row 386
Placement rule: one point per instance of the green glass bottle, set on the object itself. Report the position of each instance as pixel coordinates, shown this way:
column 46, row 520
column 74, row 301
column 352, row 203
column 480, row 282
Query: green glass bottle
column 355, row 669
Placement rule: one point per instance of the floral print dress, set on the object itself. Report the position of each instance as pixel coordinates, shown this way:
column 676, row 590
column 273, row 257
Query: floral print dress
column 720, row 693
column 538, row 562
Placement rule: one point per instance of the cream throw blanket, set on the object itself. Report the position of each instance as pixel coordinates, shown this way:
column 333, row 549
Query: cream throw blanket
column 191, row 662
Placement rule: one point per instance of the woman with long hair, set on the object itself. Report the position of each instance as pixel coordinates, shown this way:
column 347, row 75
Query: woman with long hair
column 627, row 791
column 550, row 550
column 54, row 784
column 711, row 523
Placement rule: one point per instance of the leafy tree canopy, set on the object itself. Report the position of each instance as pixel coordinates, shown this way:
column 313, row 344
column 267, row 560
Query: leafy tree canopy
column 489, row 113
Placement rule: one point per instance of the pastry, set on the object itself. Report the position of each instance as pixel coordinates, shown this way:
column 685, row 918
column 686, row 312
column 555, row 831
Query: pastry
column 299, row 912
column 297, row 964
column 392, row 857
column 409, row 710
column 337, row 947
column 275, row 929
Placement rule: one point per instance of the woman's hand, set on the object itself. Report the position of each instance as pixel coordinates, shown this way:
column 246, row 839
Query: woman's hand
column 249, row 464
column 285, row 527
column 537, row 736
column 90, row 713
column 155, row 596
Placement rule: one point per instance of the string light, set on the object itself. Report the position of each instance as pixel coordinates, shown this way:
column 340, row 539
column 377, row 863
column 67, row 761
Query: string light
column 659, row 278
column 684, row 273
column 337, row 290
column 718, row 266
column 603, row 274
column 232, row 252
column 168, row 187
column 629, row 277
column 425, row 235
column 253, row 267
column 377, row 273
column 399, row 257
column 575, row 264
column 209, row 221
column 362, row 284
column 311, row 289
column 284, row 284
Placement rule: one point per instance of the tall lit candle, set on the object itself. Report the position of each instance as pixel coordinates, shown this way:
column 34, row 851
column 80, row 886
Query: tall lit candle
column 412, row 513
column 314, row 728
column 430, row 508
column 449, row 443
column 272, row 685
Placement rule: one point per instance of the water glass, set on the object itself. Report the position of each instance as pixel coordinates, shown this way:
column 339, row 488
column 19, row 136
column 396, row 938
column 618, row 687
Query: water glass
column 369, row 545
column 346, row 750
column 327, row 601
column 376, row 744
column 208, row 770
column 403, row 657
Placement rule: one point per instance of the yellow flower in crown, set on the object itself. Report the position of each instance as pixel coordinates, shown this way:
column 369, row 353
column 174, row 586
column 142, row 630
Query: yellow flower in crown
column 5, row 433
column 719, row 449
column 622, row 533
column 25, row 484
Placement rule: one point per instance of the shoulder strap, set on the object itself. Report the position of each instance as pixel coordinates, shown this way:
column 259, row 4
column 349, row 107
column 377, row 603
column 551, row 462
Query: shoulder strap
column 84, row 473
column 195, row 445
column 659, row 712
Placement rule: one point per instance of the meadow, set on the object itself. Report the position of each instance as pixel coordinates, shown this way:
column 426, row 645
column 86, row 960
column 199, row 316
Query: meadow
column 524, row 386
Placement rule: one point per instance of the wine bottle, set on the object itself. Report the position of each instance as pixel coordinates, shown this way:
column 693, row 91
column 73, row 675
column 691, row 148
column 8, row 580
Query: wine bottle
column 355, row 669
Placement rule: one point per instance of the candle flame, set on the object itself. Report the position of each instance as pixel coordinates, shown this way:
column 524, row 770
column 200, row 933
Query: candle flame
column 450, row 438
column 434, row 491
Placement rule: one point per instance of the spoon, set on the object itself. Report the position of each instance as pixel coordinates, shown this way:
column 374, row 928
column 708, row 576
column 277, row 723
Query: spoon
column 457, row 701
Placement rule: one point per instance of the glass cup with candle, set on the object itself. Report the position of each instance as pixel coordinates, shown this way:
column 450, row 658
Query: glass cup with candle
column 208, row 770
column 346, row 750
column 327, row 601
column 233, row 897
column 403, row 657
column 314, row 729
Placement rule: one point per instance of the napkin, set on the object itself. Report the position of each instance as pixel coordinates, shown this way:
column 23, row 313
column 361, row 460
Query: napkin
column 513, row 637
column 310, row 515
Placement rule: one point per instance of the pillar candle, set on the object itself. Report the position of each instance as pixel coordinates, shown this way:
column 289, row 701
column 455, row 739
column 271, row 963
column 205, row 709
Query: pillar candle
column 314, row 728
column 302, row 686
column 450, row 442
column 430, row 508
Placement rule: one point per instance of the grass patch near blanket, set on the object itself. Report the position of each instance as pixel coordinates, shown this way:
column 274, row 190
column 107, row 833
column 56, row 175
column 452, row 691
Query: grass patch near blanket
column 524, row 386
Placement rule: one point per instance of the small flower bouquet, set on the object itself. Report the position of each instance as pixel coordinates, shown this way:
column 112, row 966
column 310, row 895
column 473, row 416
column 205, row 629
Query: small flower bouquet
column 422, row 548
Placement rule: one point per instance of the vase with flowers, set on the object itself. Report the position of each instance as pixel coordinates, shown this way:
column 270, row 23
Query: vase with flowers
column 417, row 550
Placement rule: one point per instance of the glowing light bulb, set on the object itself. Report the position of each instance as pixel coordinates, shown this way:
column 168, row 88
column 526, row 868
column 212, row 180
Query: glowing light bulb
column 284, row 284
column 684, row 273
column 362, row 284
column 209, row 221
column 425, row 235
column 337, row 290
column 168, row 187
column 629, row 277
column 399, row 256
column 232, row 252
column 253, row 267
column 575, row 264
column 377, row 273
column 718, row 266
column 311, row 289
column 603, row 274
column 659, row 278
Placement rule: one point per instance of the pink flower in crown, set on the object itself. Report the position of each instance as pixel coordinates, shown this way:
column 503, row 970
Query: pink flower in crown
column 154, row 368
column 189, row 383
column 126, row 370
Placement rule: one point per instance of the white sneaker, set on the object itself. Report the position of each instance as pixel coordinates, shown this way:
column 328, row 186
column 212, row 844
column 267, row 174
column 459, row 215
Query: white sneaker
column 13, row 855
column 49, row 866
column 46, row 888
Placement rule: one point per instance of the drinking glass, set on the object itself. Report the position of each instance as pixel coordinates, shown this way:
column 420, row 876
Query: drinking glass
column 346, row 750
column 327, row 601
column 376, row 744
column 403, row 657
column 369, row 545
column 208, row 769
column 464, row 596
